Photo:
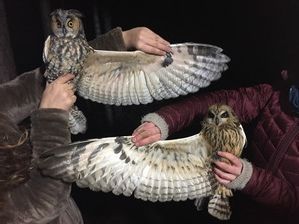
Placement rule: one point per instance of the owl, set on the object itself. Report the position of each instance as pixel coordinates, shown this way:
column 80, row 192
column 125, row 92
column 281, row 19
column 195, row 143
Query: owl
column 125, row 77
column 177, row 170
column 65, row 51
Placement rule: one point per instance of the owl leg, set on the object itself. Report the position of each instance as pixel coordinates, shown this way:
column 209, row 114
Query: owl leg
column 77, row 121
column 224, row 191
column 219, row 207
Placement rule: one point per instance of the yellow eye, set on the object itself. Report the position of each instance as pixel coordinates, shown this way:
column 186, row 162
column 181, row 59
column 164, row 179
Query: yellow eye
column 70, row 24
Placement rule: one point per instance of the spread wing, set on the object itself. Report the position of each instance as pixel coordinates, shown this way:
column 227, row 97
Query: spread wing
column 162, row 171
column 126, row 78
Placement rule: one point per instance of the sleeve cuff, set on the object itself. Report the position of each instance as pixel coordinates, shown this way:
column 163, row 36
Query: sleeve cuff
column 159, row 122
column 240, row 182
column 112, row 40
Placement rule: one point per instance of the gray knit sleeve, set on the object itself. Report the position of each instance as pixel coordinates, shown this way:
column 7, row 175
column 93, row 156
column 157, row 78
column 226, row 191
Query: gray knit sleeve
column 240, row 182
column 159, row 122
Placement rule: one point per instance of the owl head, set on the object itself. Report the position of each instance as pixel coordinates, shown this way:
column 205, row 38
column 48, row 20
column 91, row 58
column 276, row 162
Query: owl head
column 67, row 23
column 219, row 114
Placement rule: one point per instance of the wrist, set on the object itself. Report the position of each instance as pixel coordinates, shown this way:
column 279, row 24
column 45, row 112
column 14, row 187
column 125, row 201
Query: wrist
column 126, row 39
column 240, row 182
column 157, row 120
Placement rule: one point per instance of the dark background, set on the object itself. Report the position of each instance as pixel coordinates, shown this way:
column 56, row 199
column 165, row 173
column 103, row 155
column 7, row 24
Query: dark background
column 258, row 36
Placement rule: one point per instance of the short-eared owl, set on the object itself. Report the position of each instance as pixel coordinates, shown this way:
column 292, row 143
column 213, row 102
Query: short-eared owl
column 167, row 170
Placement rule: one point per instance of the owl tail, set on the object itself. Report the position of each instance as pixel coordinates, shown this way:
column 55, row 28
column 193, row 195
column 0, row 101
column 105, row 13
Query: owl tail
column 219, row 207
column 77, row 121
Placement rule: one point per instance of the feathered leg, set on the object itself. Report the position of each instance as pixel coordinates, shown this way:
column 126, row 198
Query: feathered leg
column 77, row 121
column 219, row 206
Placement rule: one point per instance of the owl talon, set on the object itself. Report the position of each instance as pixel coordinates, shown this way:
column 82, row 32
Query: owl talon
column 168, row 60
column 224, row 191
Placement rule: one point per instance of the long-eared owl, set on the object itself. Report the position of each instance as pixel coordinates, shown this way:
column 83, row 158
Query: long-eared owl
column 65, row 51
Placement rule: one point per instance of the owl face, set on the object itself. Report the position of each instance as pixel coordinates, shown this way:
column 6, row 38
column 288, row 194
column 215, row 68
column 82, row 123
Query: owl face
column 67, row 23
column 220, row 114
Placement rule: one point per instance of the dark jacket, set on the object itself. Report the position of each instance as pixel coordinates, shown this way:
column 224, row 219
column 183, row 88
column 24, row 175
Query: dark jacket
column 272, row 192
column 26, row 195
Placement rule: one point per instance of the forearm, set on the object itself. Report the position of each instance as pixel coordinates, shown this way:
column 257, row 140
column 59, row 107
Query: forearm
column 112, row 40
column 49, row 129
column 246, row 102
column 51, row 197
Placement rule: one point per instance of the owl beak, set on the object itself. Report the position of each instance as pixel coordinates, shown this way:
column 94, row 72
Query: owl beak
column 216, row 120
column 64, row 31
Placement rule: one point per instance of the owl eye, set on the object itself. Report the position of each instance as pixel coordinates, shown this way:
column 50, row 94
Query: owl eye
column 210, row 115
column 224, row 115
column 70, row 24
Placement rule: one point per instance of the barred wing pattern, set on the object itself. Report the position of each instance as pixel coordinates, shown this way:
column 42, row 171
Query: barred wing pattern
column 126, row 78
column 163, row 171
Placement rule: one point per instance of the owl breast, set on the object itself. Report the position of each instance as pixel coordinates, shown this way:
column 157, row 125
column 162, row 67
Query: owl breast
column 226, row 137
column 65, row 55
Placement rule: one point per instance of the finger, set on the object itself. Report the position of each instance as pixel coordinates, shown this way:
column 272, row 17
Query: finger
column 161, row 40
column 145, row 126
column 221, row 181
column 227, row 167
column 70, row 86
column 144, row 135
column 70, row 92
column 229, row 156
column 139, row 129
column 163, row 47
column 224, row 175
column 156, row 37
column 158, row 43
column 64, row 78
column 152, row 50
column 148, row 140
column 74, row 98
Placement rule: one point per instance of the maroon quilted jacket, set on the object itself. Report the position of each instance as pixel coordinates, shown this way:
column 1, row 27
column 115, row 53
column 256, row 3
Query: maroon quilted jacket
column 273, row 190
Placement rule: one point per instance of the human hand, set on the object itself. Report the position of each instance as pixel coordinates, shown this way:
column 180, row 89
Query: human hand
column 142, row 38
column 224, row 172
column 59, row 94
column 146, row 133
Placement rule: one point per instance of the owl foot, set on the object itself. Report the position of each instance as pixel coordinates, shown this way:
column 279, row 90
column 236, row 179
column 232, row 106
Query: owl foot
column 224, row 191
column 77, row 121
column 168, row 60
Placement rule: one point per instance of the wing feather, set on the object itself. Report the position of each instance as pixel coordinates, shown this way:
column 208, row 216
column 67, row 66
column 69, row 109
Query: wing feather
column 126, row 78
column 162, row 171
